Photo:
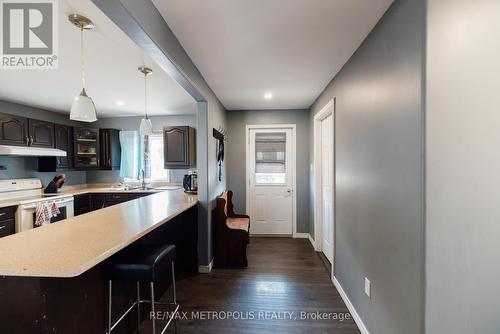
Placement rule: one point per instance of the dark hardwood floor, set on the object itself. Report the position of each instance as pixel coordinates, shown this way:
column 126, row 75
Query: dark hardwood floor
column 284, row 275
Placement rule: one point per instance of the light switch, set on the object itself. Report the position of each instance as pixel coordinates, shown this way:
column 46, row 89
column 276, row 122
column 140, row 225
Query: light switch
column 368, row 287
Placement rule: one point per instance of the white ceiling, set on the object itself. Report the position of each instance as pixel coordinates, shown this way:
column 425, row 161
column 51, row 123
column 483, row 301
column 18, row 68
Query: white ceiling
column 291, row 48
column 111, row 61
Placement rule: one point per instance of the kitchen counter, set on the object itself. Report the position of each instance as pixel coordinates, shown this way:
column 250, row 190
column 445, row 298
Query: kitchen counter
column 70, row 247
column 81, row 189
column 106, row 188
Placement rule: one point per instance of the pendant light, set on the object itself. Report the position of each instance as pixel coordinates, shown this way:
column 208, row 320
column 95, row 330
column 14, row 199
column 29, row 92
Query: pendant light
column 83, row 108
column 146, row 128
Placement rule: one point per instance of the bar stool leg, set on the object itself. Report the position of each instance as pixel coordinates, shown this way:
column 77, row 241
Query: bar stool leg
column 138, row 307
column 175, row 295
column 110, row 287
column 153, row 307
column 173, row 282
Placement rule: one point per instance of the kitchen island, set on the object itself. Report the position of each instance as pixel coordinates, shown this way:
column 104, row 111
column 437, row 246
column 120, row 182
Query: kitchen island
column 53, row 277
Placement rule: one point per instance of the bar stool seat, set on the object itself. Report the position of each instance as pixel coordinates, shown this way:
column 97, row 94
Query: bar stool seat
column 143, row 263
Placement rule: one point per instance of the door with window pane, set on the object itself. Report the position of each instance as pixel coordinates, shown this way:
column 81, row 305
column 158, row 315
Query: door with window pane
column 270, row 181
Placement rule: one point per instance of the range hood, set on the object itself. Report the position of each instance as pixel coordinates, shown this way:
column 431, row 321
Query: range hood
column 25, row 151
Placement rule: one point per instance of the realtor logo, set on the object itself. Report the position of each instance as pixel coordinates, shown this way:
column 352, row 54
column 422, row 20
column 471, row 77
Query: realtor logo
column 29, row 34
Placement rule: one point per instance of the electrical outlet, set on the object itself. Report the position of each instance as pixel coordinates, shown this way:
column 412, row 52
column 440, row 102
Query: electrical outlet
column 368, row 287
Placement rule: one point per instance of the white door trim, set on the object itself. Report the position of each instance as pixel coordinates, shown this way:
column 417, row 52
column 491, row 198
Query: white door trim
column 293, row 127
column 327, row 110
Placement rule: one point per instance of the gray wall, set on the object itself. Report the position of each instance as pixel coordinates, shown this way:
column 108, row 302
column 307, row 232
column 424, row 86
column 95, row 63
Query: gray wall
column 142, row 22
column 236, row 155
column 36, row 113
column 132, row 123
column 379, row 172
column 27, row 167
column 463, row 164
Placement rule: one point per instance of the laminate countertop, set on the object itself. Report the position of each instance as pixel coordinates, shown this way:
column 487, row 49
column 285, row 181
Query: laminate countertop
column 70, row 247
column 81, row 189
column 107, row 188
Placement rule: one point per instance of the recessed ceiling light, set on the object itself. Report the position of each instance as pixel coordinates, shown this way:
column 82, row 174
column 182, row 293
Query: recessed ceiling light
column 120, row 103
column 268, row 96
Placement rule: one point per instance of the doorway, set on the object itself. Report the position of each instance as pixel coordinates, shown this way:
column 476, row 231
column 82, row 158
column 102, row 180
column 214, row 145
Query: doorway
column 324, row 181
column 270, row 184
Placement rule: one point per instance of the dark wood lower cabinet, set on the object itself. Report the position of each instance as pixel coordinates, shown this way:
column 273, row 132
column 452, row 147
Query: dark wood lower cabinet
column 78, row 305
column 7, row 227
column 7, row 221
column 97, row 201
column 81, row 204
column 94, row 201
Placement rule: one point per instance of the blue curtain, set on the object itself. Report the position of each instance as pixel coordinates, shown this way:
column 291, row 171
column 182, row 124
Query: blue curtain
column 131, row 162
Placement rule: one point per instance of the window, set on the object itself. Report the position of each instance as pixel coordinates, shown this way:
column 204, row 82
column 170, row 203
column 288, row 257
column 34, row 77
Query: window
column 156, row 158
column 142, row 153
column 270, row 158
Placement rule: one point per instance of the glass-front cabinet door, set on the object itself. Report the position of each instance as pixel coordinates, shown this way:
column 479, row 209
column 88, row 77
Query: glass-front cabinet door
column 86, row 148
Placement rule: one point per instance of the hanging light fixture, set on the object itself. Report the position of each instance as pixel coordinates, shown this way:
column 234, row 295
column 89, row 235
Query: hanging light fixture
column 83, row 108
column 146, row 128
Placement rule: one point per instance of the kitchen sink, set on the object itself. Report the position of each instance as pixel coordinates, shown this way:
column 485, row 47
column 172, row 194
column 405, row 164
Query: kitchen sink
column 165, row 188
column 148, row 189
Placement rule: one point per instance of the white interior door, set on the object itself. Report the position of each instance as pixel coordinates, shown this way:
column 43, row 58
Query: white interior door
column 270, row 180
column 327, row 186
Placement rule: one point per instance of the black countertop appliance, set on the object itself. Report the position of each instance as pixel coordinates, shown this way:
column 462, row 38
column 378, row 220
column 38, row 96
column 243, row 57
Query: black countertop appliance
column 190, row 182
column 55, row 185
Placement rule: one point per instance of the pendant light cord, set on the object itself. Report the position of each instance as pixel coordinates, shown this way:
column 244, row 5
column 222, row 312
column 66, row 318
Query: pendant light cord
column 146, row 94
column 81, row 59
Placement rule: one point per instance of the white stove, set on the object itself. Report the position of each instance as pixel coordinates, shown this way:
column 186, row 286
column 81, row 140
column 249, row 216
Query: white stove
column 26, row 194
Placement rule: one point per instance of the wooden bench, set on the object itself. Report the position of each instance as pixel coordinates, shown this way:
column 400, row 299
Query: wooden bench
column 232, row 234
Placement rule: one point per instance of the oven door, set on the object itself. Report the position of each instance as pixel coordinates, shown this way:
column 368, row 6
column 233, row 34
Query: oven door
column 26, row 214
column 61, row 216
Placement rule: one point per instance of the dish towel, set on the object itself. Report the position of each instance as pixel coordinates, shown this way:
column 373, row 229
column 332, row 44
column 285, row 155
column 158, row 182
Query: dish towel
column 44, row 212
column 54, row 210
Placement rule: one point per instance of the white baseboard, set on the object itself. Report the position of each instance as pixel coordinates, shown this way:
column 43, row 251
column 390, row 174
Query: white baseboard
column 313, row 243
column 352, row 310
column 301, row 235
column 206, row 269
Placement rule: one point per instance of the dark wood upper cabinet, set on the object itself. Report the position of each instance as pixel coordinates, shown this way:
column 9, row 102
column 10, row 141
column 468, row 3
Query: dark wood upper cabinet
column 64, row 141
column 86, row 148
column 22, row 131
column 111, row 151
column 13, row 130
column 41, row 133
column 179, row 147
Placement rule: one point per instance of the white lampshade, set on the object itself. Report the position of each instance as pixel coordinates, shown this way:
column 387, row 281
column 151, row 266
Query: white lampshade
column 83, row 109
column 146, row 128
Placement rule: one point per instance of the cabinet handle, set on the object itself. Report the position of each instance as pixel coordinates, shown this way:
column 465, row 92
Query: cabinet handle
column 109, row 161
column 31, row 141
column 26, row 140
column 2, row 227
column 2, row 214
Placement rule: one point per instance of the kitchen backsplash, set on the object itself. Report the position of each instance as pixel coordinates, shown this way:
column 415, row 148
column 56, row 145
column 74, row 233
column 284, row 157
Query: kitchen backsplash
column 27, row 167
column 102, row 176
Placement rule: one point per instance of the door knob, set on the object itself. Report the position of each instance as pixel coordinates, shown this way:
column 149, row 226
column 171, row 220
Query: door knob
column 289, row 190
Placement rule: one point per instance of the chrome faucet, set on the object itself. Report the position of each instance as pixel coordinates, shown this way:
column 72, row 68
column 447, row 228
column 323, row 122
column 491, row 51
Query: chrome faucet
column 143, row 175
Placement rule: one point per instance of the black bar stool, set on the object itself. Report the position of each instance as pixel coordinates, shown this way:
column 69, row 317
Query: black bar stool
column 142, row 264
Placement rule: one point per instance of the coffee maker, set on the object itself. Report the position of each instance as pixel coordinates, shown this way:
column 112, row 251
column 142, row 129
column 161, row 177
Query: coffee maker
column 190, row 182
